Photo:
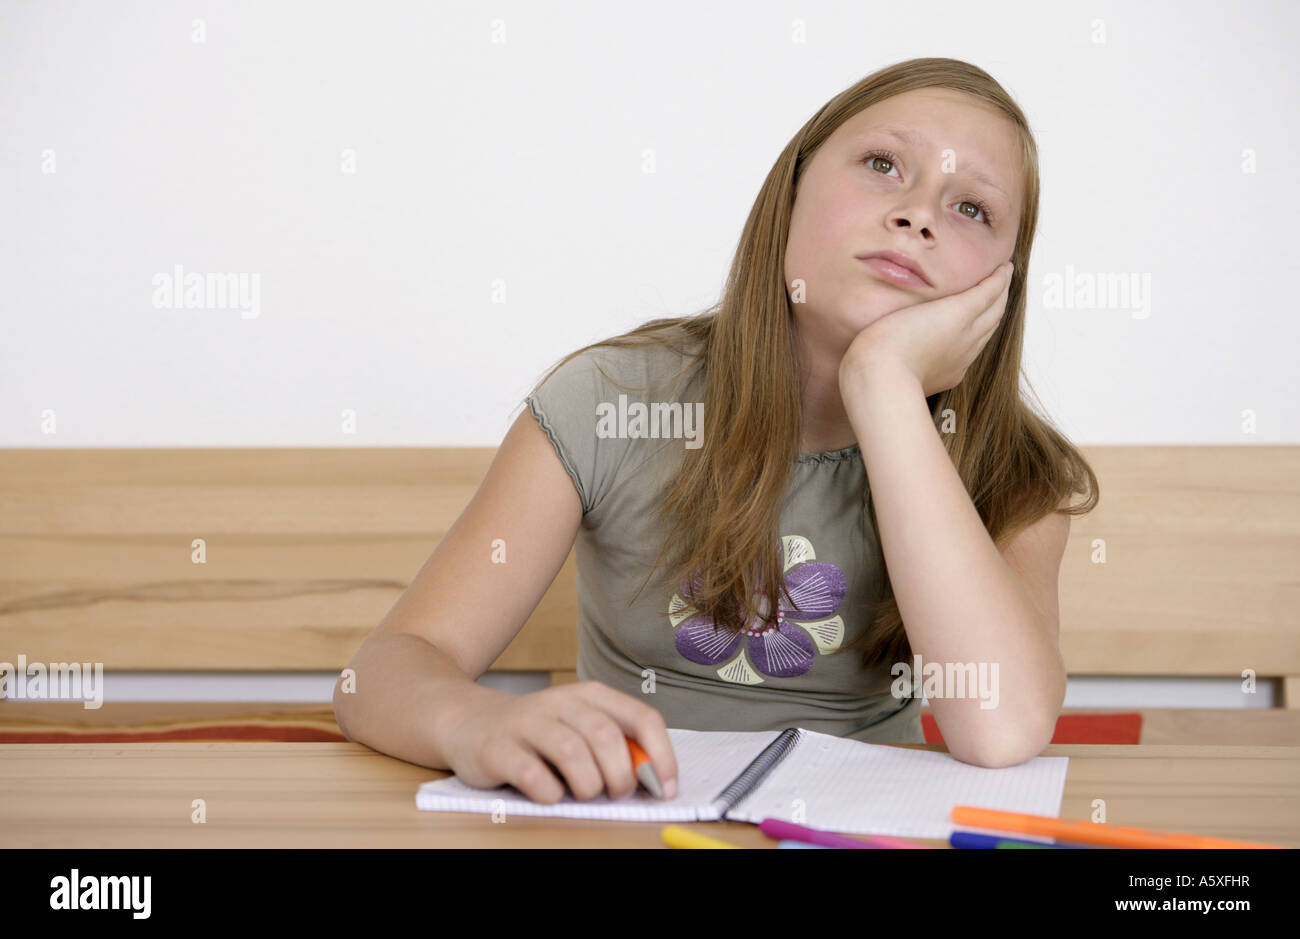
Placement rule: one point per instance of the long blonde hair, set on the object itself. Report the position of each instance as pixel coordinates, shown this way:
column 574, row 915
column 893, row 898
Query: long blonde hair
column 725, row 503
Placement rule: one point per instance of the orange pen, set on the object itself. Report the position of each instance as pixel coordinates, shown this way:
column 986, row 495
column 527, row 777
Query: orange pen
column 644, row 769
column 1082, row 832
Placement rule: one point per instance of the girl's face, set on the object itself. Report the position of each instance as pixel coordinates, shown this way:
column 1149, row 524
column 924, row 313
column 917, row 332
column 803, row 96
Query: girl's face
column 866, row 190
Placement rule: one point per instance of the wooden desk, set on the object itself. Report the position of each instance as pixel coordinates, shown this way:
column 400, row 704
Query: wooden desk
column 336, row 795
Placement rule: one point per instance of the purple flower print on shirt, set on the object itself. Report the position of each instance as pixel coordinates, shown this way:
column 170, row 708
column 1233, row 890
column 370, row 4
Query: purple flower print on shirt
column 783, row 650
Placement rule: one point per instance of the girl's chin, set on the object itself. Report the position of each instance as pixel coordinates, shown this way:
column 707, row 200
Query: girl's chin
column 861, row 320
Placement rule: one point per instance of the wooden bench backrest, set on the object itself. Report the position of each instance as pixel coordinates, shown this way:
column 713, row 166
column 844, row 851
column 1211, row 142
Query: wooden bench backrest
column 307, row 549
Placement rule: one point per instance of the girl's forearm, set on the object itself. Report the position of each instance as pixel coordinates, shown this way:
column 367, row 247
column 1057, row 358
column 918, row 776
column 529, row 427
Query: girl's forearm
column 959, row 599
column 408, row 692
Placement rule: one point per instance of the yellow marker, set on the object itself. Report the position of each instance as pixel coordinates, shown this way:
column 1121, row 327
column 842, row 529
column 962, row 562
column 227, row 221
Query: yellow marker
column 675, row 836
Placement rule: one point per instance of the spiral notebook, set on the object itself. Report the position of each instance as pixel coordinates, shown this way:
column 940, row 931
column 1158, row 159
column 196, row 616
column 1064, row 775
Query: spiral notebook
column 820, row 780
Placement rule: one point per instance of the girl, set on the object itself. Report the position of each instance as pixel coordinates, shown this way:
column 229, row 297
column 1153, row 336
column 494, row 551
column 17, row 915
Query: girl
column 835, row 457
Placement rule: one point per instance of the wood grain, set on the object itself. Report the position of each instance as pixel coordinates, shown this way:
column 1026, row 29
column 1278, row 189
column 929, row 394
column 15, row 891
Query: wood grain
column 307, row 549
column 318, row 795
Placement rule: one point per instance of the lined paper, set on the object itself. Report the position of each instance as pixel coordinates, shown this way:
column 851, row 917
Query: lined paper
column 863, row 788
column 828, row 782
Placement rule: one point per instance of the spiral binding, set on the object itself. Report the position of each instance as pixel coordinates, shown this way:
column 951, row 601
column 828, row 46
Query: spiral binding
column 743, row 784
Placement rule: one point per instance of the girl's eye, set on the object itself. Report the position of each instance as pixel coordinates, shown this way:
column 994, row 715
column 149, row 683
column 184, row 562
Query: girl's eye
column 884, row 156
column 988, row 216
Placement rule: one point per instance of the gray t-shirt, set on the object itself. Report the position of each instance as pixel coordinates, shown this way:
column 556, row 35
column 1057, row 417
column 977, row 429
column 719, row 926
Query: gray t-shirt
column 622, row 462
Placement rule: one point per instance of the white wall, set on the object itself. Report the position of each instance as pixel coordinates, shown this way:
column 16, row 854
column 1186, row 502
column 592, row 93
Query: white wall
column 501, row 213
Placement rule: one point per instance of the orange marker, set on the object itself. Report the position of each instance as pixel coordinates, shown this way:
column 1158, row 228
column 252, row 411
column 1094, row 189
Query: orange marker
column 644, row 769
column 1082, row 832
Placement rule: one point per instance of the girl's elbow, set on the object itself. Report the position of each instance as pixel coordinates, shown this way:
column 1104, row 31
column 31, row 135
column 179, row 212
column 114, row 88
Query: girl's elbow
column 1008, row 750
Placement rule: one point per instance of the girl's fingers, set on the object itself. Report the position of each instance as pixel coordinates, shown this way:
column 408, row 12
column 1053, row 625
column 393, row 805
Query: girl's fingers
column 990, row 287
column 518, row 764
column 993, row 292
column 608, row 744
column 566, row 749
column 989, row 319
column 640, row 721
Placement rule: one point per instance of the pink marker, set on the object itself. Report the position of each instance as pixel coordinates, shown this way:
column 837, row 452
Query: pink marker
column 779, row 829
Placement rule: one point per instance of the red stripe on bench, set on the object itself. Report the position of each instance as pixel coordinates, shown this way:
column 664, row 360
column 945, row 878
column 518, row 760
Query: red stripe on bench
column 1072, row 728
column 232, row 732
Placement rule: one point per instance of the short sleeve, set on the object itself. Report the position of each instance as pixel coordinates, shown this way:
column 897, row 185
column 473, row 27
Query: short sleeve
column 588, row 408
column 565, row 407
